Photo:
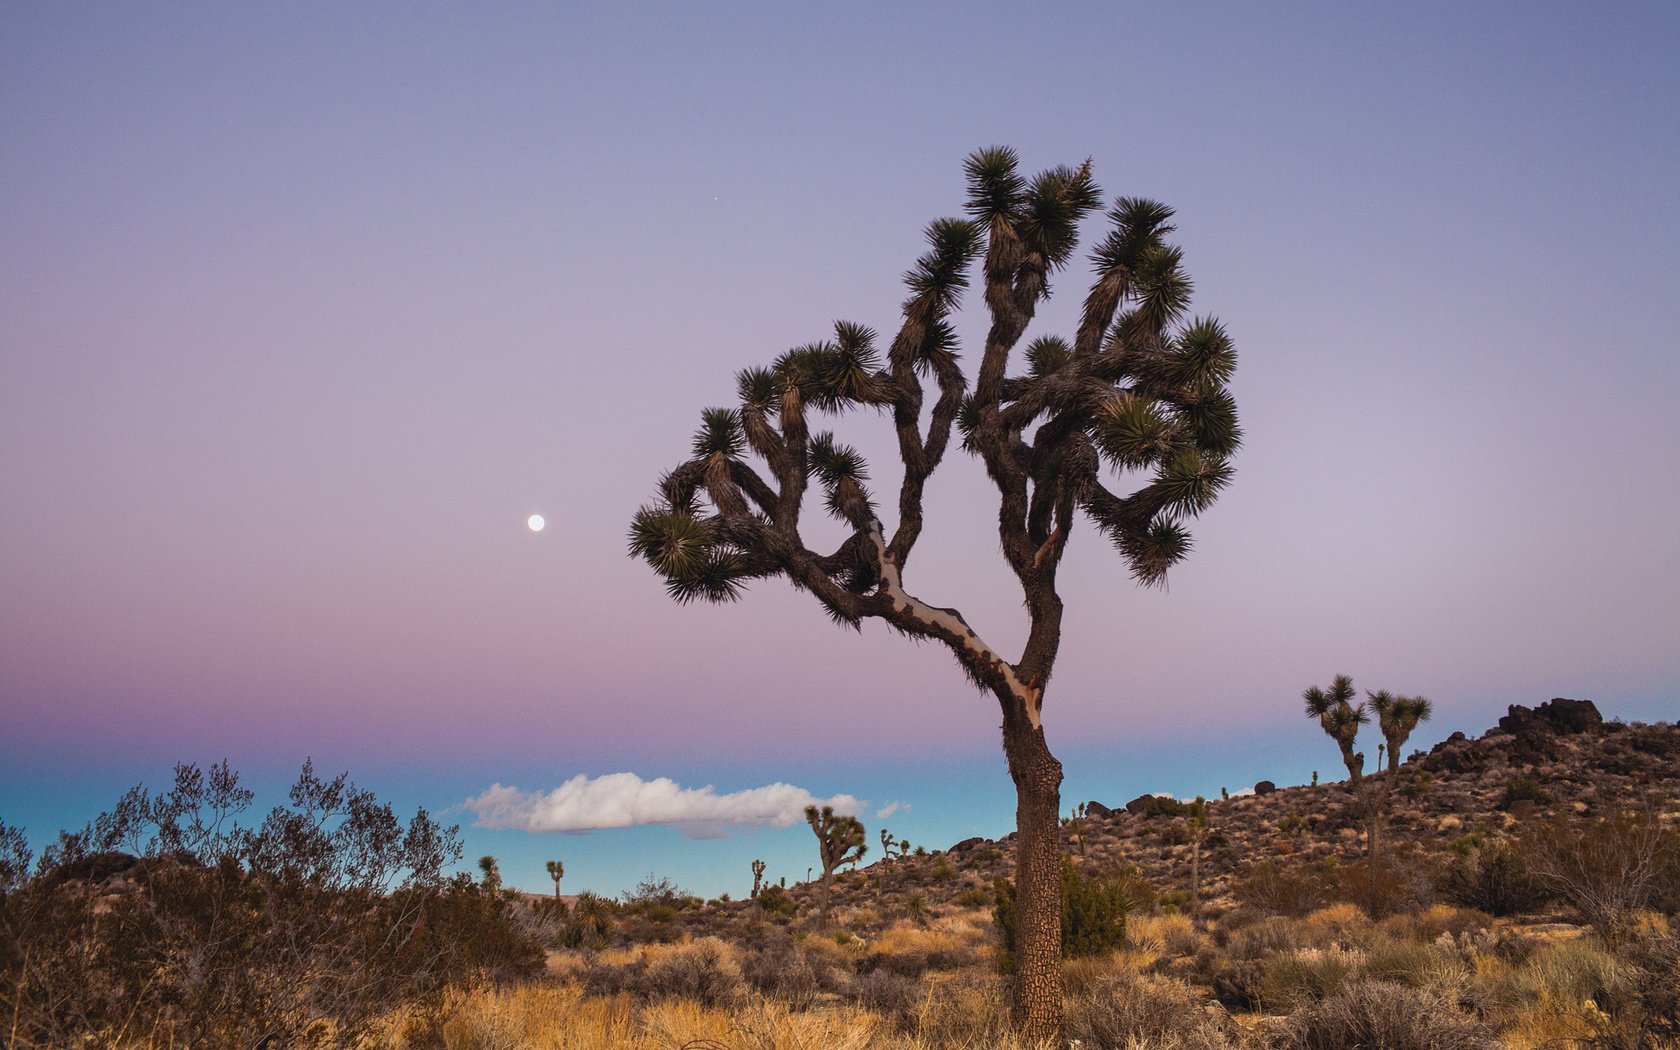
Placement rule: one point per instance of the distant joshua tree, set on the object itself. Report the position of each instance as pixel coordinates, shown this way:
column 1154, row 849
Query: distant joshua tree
column 1340, row 720
column 839, row 841
column 556, row 871
column 758, row 877
column 1129, row 423
column 492, row 875
column 1397, row 716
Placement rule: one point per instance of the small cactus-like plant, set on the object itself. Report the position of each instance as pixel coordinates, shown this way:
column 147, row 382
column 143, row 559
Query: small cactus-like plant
column 758, row 877
column 556, row 871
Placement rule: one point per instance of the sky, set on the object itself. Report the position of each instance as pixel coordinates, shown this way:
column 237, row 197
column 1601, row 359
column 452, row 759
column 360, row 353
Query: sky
column 305, row 308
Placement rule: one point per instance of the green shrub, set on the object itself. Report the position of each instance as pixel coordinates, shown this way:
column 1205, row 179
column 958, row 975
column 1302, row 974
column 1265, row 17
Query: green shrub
column 1093, row 913
column 776, row 902
column 1494, row 879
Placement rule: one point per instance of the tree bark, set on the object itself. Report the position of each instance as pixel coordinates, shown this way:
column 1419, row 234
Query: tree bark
column 1037, row 992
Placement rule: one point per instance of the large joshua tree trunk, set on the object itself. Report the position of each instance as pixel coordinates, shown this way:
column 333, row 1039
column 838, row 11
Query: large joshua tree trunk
column 1038, row 916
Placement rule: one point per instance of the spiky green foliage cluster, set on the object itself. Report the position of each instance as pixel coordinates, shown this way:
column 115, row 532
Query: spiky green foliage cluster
column 1130, row 422
column 1340, row 719
column 1397, row 716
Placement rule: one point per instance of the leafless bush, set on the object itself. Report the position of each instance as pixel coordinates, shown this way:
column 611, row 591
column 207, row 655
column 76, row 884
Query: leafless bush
column 778, row 969
column 1275, row 891
column 167, row 920
column 893, row 995
column 704, row 971
column 1128, row 1011
column 1606, row 868
column 1378, row 1014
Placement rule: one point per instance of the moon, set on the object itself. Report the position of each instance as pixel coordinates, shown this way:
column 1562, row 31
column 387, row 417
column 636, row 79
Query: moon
column 535, row 523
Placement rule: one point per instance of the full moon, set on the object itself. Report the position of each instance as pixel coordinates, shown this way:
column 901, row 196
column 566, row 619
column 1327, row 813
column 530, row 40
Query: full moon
column 535, row 523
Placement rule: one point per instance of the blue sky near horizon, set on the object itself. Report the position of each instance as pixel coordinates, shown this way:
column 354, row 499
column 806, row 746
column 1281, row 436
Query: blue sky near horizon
column 303, row 310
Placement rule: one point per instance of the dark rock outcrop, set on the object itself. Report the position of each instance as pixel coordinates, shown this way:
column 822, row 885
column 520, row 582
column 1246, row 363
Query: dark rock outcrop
column 1556, row 716
column 1098, row 810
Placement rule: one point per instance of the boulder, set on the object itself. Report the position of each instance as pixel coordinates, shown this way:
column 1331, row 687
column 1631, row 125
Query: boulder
column 1155, row 806
column 1265, row 787
column 1098, row 810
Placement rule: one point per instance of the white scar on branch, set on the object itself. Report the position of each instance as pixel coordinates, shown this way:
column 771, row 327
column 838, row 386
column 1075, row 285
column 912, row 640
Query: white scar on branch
column 892, row 584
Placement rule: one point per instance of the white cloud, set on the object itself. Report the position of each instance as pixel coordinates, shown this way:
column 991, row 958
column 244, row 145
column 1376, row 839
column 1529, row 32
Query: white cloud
column 624, row 800
column 890, row 808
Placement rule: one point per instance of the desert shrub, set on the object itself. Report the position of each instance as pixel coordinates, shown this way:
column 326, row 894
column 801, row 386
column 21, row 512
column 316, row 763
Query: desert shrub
column 1378, row 885
column 1131, row 1011
column 702, row 971
column 1572, row 971
column 1430, row 966
column 781, row 971
column 604, row 979
column 1521, row 789
column 776, row 902
column 1379, row 1014
column 904, row 964
column 1494, row 879
column 1339, row 925
column 1606, row 868
column 1174, row 935
column 1431, row 923
column 1290, row 979
column 1268, row 888
column 916, row 905
column 968, row 1011
column 1257, row 940
column 171, row 917
column 1093, row 913
column 1643, row 1009
column 894, row 996
column 590, row 921
column 973, row 897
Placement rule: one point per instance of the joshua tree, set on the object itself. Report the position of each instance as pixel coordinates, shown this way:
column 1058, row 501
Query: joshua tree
column 1340, row 720
column 839, row 841
column 492, row 875
column 1198, row 827
column 1140, row 389
column 556, row 871
column 1397, row 716
column 758, row 877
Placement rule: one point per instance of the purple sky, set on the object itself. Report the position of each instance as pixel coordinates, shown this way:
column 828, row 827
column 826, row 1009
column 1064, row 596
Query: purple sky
column 304, row 309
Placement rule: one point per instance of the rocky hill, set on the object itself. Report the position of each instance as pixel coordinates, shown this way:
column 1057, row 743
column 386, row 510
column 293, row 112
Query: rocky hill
column 1559, row 758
